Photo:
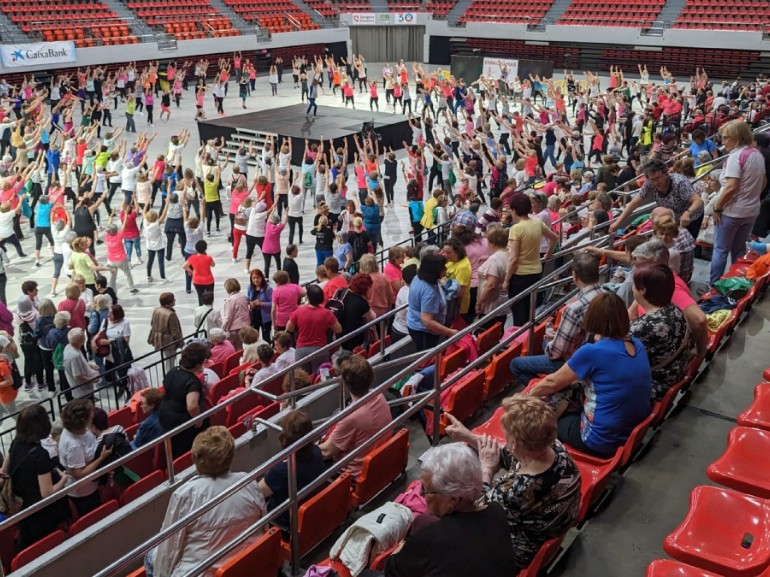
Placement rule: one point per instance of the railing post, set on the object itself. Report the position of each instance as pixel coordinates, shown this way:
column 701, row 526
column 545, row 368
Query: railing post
column 293, row 512
column 292, row 400
column 532, row 314
column 436, row 403
column 610, row 246
column 383, row 332
column 169, row 460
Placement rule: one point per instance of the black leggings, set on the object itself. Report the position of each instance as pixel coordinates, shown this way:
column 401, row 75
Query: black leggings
column 281, row 203
column 267, row 258
column 251, row 242
column 293, row 222
column 203, row 288
column 14, row 240
column 213, row 209
column 161, row 263
column 33, row 363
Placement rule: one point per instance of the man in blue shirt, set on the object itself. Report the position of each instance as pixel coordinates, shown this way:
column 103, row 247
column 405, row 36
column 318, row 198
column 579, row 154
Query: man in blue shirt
column 701, row 143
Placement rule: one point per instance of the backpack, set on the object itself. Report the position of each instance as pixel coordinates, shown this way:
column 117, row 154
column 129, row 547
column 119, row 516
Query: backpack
column 336, row 304
column 308, row 180
column 359, row 245
column 434, row 215
column 417, row 209
column 26, row 334
column 17, row 382
column 58, row 357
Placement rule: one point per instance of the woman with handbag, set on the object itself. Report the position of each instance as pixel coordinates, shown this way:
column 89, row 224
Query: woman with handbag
column 32, row 477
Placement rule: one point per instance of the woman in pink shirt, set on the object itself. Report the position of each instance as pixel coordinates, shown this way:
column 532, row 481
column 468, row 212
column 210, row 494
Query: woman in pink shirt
column 392, row 270
column 286, row 297
column 271, row 246
column 236, row 312
column 132, row 240
column 239, row 191
column 116, row 255
column 221, row 348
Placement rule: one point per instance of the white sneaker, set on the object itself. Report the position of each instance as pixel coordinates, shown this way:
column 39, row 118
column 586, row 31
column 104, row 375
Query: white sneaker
column 51, row 295
column 234, row 260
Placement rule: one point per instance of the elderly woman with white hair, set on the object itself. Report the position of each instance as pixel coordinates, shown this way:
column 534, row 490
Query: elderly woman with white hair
column 468, row 538
column 117, row 259
column 221, row 347
column 80, row 373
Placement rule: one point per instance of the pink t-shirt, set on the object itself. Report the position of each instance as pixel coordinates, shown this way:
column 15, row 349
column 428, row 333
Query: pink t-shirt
column 272, row 242
column 681, row 298
column 130, row 230
column 359, row 427
column 236, row 198
column 477, row 252
column 286, row 301
column 116, row 252
column 393, row 273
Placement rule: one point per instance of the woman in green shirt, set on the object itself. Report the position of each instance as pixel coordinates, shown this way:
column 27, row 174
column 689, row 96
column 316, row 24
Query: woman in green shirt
column 524, row 266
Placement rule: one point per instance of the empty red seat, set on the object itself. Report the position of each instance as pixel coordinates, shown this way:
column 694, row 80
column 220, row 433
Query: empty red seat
column 142, row 486
column 725, row 531
column 739, row 466
column 669, row 568
column 381, row 467
column 498, row 373
column 758, row 414
column 595, row 475
column 262, row 557
column 37, row 549
column 489, row 338
column 123, row 417
column 94, row 517
column 221, row 388
column 464, row 399
column 547, row 552
column 451, row 362
column 322, row 514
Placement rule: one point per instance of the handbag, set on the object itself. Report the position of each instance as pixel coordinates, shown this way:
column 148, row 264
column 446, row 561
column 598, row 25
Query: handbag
column 10, row 503
column 99, row 349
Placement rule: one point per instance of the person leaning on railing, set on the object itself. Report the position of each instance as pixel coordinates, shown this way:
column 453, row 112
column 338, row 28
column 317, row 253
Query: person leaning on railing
column 427, row 308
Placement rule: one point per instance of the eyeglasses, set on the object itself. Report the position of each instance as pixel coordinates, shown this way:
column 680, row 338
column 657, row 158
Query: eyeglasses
column 424, row 493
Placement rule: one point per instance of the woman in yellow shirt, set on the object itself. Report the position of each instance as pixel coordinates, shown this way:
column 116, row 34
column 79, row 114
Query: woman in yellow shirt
column 458, row 267
column 524, row 266
column 83, row 263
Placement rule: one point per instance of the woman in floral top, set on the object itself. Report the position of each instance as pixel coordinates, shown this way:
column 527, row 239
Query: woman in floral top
column 539, row 483
column 663, row 327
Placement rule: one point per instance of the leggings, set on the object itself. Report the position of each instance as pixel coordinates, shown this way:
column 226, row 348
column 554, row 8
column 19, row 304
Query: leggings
column 213, row 209
column 48, row 369
column 40, row 232
column 374, row 102
column 281, row 202
column 151, row 254
column 406, row 104
column 149, row 108
column 267, row 258
column 238, row 234
column 33, row 364
column 293, row 222
column 170, row 234
column 14, row 240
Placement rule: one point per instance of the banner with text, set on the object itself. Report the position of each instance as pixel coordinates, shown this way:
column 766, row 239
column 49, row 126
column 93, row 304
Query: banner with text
column 369, row 19
column 41, row 53
column 498, row 68
column 404, row 18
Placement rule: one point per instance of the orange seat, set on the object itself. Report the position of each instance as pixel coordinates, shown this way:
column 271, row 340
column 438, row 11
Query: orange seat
column 740, row 467
column 123, row 417
column 381, row 467
column 376, row 346
column 725, row 531
column 492, row 427
column 94, row 516
column 37, row 549
column 321, row 514
column 489, row 338
column 464, row 399
column 594, row 478
column 260, row 558
column 142, row 486
column 138, row 573
column 758, row 414
column 451, row 362
column 241, row 407
column 669, row 568
column 498, row 373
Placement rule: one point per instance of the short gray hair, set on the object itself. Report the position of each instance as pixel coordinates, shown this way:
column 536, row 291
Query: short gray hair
column 102, row 301
column 217, row 335
column 62, row 319
column 653, row 250
column 455, row 471
column 74, row 335
column 111, row 228
column 429, row 249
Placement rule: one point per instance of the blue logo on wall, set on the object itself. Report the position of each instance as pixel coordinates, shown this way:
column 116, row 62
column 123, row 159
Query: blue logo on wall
column 16, row 55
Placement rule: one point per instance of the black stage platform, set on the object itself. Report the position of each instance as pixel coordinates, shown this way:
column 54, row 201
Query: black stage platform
column 331, row 122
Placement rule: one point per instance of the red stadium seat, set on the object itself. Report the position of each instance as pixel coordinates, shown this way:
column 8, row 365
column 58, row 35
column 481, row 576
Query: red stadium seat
column 669, row 568
column 725, row 531
column 498, row 373
column 595, row 476
column 464, row 399
column 123, row 417
column 451, row 362
column 321, row 514
column 492, row 427
column 739, row 466
column 241, row 407
column 142, row 486
column 260, row 558
column 221, row 388
column 547, row 552
column 233, row 361
column 219, row 368
column 37, row 549
column 381, row 467
column 758, row 414
column 489, row 338
column 94, row 516
column 183, row 462
column 142, row 464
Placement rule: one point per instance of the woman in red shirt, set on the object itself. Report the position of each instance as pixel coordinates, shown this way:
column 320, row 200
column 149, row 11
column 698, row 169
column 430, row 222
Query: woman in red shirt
column 199, row 267
column 311, row 323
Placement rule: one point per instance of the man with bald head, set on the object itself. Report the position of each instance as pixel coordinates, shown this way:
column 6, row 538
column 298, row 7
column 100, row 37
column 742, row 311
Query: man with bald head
column 683, row 242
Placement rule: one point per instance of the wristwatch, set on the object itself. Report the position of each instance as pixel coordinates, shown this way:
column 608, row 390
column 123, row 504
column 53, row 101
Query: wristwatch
column 717, row 209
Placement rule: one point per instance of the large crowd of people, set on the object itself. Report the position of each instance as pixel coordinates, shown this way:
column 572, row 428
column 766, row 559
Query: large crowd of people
column 515, row 180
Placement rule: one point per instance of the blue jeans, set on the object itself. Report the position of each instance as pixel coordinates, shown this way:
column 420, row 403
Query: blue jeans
column 549, row 150
column 524, row 369
column 131, row 244
column 730, row 235
column 322, row 255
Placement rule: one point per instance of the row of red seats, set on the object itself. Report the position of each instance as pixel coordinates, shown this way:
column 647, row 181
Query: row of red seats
column 727, row 531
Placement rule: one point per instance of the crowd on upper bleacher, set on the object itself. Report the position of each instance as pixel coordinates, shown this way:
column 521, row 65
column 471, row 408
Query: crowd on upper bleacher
column 552, row 182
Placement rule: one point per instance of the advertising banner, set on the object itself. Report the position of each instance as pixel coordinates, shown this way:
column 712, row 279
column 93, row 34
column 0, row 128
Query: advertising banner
column 41, row 53
column 494, row 67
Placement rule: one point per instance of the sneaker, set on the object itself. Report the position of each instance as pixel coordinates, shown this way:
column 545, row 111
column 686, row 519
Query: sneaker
column 188, row 291
column 29, row 387
column 149, row 279
column 133, row 291
column 52, row 295
column 165, row 280
column 140, row 261
column 234, row 260
column 37, row 263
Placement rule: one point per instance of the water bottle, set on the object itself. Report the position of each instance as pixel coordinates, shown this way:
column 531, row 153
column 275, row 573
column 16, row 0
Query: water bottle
column 550, row 333
column 757, row 247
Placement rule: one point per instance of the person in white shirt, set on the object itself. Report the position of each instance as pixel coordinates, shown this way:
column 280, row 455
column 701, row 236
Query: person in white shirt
column 400, row 330
column 282, row 342
column 128, row 178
